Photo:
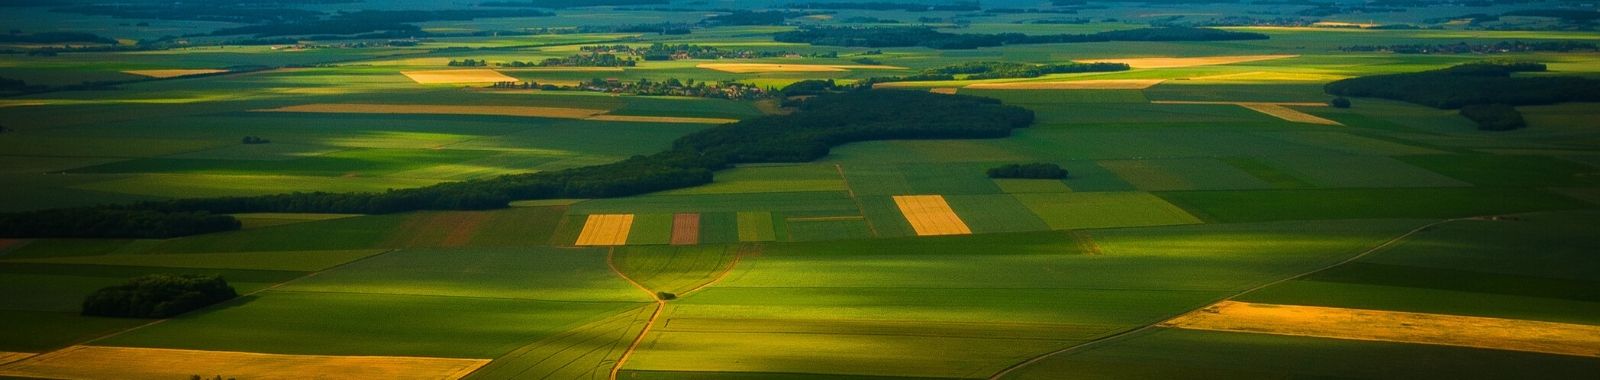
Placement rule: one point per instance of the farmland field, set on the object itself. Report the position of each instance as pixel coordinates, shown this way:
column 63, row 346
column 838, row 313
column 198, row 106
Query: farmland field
column 857, row 190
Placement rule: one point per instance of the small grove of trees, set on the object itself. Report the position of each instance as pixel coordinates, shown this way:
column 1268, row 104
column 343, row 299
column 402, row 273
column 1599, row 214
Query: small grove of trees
column 252, row 140
column 820, row 123
column 158, row 296
column 468, row 63
column 1339, row 102
column 1038, row 170
column 1494, row 117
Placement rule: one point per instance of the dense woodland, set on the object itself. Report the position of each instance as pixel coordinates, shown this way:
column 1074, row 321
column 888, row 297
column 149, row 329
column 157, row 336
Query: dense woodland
column 158, row 296
column 820, row 123
column 1037, row 170
column 928, row 37
column 1494, row 117
column 1475, row 84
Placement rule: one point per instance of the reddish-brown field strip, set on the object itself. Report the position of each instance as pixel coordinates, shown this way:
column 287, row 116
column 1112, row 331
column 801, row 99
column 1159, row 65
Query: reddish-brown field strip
column 128, row 363
column 1394, row 326
column 463, row 227
column 686, row 229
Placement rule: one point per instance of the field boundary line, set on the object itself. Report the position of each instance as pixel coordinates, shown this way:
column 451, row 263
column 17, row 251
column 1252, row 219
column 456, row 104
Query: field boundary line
column 1092, row 342
column 660, row 306
column 860, row 207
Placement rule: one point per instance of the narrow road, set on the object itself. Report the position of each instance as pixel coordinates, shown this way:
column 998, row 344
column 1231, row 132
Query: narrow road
column 660, row 305
column 1143, row 328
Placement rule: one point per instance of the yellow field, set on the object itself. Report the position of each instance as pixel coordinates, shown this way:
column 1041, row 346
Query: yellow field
column 944, row 90
column 744, row 68
column 1269, row 76
column 661, row 119
column 550, row 112
column 457, row 76
column 1391, row 326
column 1286, row 113
column 930, row 215
column 605, row 229
column 126, row 363
column 1100, row 84
column 173, row 72
column 1160, row 63
column 7, row 357
column 1336, row 24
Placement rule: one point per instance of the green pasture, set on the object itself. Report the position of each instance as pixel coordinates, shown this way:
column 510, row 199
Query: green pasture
column 674, row 269
column 1521, row 267
column 1308, row 204
column 936, row 301
column 1064, row 211
column 332, row 323
column 531, row 273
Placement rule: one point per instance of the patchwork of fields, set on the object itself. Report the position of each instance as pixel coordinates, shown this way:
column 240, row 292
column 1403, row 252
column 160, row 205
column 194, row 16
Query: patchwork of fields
column 1216, row 216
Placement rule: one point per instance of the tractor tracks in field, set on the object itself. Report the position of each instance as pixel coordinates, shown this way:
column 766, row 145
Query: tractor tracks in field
column 1142, row 328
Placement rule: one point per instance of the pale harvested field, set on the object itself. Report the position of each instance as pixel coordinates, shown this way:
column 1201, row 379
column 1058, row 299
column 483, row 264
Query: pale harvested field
column 686, row 229
column 661, row 119
column 1286, row 113
column 744, row 68
column 930, row 215
column 457, row 76
column 1100, row 84
column 605, row 230
column 944, row 90
column 7, row 357
column 127, row 363
column 1268, row 76
column 1274, row 109
column 561, row 69
column 550, row 112
column 173, row 73
column 1391, row 326
column 1161, row 63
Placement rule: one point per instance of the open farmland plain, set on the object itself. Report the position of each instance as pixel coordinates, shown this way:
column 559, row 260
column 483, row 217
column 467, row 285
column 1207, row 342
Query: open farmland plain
column 1222, row 216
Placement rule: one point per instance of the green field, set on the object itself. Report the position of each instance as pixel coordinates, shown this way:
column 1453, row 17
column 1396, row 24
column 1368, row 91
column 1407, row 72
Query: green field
column 1175, row 198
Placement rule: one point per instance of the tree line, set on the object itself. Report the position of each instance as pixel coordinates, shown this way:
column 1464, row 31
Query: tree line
column 928, row 37
column 1474, row 85
column 821, row 122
